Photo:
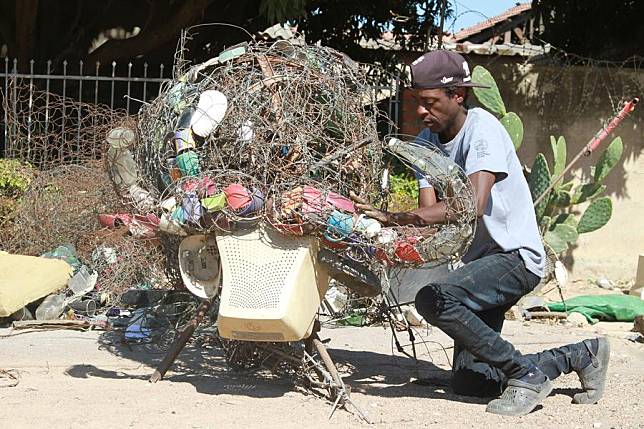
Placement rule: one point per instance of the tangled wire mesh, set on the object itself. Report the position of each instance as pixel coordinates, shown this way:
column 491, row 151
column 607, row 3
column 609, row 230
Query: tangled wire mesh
column 48, row 130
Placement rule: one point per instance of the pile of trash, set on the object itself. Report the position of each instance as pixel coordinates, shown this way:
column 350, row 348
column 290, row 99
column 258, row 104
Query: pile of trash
column 58, row 289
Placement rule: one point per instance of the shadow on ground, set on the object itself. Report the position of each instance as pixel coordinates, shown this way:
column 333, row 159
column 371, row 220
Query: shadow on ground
column 203, row 365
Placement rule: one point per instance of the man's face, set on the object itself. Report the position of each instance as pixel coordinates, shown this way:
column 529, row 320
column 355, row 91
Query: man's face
column 436, row 109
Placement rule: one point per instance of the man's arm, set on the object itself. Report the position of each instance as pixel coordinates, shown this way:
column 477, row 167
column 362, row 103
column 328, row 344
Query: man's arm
column 427, row 213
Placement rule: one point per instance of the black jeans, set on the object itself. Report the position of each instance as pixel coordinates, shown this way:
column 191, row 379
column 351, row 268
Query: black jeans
column 469, row 305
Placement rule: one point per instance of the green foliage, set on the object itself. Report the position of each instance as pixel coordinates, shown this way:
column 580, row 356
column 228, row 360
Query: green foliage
column 404, row 184
column 597, row 214
column 556, row 212
column 404, row 192
column 608, row 160
column 491, row 99
column 281, row 10
column 559, row 155
column 559, row 236
column 565, row 196
column 588, row 191
column 539, row 180
column 14, row 177
column 514, row 127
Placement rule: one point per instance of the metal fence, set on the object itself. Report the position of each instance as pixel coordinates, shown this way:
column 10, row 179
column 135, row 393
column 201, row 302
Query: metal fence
column 57, row 101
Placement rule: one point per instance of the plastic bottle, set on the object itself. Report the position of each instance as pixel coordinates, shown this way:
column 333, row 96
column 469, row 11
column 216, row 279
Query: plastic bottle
column 51, row 307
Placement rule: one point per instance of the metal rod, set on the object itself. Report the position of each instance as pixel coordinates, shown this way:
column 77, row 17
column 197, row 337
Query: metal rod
column 5, row 106
column 593, row 143
column 31, row 103
column 64, row 141
column 129, row 84
column 145, row 83
column 180, row 342
column 47, row 103
column 14, row 129
column 112, row 93
column 80, row 103
column 161, row 77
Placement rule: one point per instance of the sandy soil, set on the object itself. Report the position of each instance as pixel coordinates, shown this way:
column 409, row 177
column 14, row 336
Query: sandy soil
column 88, row 379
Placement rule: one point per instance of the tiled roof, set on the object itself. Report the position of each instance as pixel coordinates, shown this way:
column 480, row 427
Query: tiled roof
column 477, row 28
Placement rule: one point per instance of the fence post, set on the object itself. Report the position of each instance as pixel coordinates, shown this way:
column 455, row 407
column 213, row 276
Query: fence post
column 31, row 103
column 112, row 94
column 129, row 80
column 47, row 102
column 64, row 140
column 160, row 77
column 80, row 102
column 14, row 131
column 145, row 77
column 6, row 104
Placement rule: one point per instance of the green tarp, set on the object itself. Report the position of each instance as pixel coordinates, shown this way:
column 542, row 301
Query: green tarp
column 611, row 308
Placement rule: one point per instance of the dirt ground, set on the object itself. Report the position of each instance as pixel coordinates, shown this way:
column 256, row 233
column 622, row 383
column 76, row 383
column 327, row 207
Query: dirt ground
column 89, row 379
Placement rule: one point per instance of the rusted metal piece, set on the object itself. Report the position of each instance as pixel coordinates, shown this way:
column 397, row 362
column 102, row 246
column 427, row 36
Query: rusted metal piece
column 180, row 342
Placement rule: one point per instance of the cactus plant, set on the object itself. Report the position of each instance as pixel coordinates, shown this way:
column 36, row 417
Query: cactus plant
column 555, row 213
column 597, row 214
column 539, row 180
column 514, row 127
column 565, row 196
column 491, row 99
column 559, row 154
column 488, row 97
column 559, row 237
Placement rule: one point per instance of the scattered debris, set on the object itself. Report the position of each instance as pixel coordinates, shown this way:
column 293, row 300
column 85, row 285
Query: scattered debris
column 605, row 283
column 25, row 279
column 638, row 324
column 577, row 319
column 9, row 378
column 81, row 325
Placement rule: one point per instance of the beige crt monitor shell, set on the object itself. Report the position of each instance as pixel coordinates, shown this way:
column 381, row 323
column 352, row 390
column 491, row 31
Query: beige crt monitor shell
column 272, row 286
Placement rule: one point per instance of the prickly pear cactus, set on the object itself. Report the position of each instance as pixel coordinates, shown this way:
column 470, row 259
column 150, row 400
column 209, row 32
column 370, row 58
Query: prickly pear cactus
column 514, row 127
column 559, row 155
column 490, row 97
column 597, row 214
column 539, row 180
column 608, row 160
column 559, row 237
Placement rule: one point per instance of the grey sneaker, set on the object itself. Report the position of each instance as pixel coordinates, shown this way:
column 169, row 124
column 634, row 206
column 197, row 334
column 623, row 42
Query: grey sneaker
column 520, row 398
column 593, row 377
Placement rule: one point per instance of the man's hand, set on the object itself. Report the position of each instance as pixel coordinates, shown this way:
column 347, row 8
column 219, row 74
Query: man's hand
column 368, row 210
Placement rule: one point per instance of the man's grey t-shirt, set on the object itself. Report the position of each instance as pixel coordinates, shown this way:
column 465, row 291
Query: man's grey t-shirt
column 509, row 221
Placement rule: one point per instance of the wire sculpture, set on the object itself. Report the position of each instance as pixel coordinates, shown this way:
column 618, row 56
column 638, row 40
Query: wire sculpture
column 281, row 134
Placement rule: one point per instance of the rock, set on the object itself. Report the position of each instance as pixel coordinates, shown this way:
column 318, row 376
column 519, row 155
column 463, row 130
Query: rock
column 514, row 313
column 605, row 283
column 638, row 325
column 577, row 319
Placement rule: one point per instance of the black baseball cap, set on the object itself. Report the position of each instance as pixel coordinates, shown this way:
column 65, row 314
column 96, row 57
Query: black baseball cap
column 441, row 69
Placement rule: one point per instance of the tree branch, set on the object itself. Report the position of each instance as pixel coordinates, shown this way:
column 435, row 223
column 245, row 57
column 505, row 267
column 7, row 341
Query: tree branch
column 164, row 24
